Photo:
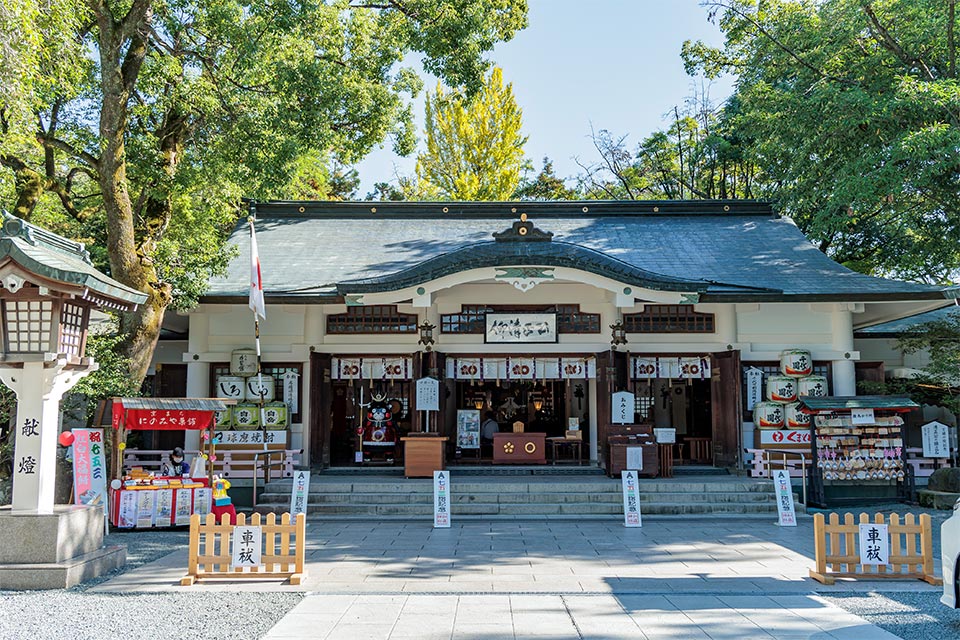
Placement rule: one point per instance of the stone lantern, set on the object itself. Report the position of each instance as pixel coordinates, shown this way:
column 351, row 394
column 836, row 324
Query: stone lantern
column 48, row 287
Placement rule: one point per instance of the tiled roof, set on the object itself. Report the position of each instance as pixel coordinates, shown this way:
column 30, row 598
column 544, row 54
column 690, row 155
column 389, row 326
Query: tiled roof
column 898, row 327
column 59, row 259
column 732, row 250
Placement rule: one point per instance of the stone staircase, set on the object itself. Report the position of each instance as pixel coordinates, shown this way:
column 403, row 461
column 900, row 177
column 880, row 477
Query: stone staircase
column 512, row 496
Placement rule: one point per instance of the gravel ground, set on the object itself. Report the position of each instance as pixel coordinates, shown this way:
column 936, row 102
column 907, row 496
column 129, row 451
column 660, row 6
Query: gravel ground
column 910, row 615
column 76, row 614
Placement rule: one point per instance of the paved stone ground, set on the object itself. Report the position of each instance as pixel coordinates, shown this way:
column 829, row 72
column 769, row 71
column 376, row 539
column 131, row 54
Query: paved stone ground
column 674, row 578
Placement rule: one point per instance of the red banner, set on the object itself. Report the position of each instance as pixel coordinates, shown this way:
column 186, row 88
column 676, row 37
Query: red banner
column 162, row 419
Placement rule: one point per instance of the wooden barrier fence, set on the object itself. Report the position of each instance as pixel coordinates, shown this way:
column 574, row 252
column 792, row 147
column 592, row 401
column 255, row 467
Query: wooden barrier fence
column 282, row 554
column 840, row 559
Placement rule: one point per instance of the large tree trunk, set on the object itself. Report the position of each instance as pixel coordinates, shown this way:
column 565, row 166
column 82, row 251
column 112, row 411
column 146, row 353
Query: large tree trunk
column 123, row 47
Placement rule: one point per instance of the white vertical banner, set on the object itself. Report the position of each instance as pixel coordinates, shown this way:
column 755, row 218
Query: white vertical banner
column 874, row 544
column 631, row 499
column 441, row 499
column 202, row 500
column 786, row 513
column 163, row 516
column 300, row 493
column 290, row 391
column 146, row 505
column 754, row 387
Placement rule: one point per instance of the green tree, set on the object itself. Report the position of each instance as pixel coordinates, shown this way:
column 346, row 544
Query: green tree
column 546, row 185
column 474, row 145
column 143, row 122
column 851, row 108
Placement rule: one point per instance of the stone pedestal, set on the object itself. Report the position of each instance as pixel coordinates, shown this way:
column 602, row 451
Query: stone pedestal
column 54, row 551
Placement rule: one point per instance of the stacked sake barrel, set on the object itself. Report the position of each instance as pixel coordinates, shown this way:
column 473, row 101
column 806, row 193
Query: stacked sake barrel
column 244, row 386
column 781, row 408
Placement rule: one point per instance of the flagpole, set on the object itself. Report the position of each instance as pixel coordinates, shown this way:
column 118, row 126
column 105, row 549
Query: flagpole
column 258, row 306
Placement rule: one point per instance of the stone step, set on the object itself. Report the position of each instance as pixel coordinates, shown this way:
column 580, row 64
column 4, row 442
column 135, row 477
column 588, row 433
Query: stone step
column 523, row 498
column 600, row 486
column 519, row 510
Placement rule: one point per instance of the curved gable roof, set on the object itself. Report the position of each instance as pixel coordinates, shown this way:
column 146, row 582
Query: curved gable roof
column 731, row 250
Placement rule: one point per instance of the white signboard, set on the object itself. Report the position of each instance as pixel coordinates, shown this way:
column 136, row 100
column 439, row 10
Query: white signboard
column 936, row 440
column 631, row 499
column 520, row 327
column 291, row 394
column 164, row 510
column 665, row 435
column 623, row 407
column 862, row 416
column 127, row 516
column 786, row 514
column 184, row 507
column 635, row 458
column 441, row 500
column 202, row 499
column 874, row 544
column 271, row 436
column 754, row 387
column 301, row 491
column 247, row 547
column 428, row 394
column 146, row 503
column 784, row 436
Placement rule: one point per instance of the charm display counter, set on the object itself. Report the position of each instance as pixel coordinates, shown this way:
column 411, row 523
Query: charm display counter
column 147, row 502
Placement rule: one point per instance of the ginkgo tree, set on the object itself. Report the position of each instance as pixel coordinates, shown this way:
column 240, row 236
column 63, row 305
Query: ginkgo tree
column 474, row 145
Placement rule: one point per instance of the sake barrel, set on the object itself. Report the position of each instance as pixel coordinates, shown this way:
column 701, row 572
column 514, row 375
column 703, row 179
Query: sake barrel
column 246, row 416
column 812, row 387
column 780, row 389
column 796, row 363
column 224, row 419
column 243, row 362
column 255, row 391
column 275, row 415
column 794, row 418
column 232, row 387
column 768, row 415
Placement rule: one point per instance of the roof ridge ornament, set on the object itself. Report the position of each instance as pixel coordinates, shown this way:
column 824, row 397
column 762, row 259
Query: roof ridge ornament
column 523, row 231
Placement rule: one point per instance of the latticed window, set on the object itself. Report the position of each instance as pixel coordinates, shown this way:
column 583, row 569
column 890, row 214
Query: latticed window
column 668, row 318
column 571, row 320
column 472, row 318
column 372, row 319
column 29, row 324
column 72, row 320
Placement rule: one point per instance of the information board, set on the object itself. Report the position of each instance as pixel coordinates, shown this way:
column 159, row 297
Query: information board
column 428, row 394
column 936, row 440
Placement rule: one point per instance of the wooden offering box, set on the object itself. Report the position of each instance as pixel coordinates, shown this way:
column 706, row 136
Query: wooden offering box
column 423, row 454
column 626, row 437
column 519, row 448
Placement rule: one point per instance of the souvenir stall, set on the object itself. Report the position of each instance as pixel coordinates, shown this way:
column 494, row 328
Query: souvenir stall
column 141, row 499
column 857, row 447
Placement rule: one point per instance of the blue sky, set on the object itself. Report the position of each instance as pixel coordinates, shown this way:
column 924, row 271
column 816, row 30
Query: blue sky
column 614, row 64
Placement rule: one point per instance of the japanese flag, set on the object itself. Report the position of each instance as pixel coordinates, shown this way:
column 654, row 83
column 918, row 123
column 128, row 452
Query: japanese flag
column 256, row 281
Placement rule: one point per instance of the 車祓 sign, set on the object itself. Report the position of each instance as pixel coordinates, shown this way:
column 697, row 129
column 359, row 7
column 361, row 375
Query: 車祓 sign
column 624, row 406
column 428, row 394
column 936, row 440
column 786, row 513
column 631, row 499
column 441, row 500
column 521, row 327
column 301, row 489
column 247, row 547
column 874, row 544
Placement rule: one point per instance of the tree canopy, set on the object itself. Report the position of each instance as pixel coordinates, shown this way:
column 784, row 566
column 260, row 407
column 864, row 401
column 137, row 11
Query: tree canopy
column 851, row 108
column 474, row 146
column 138, row 125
